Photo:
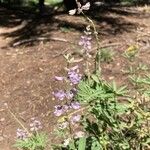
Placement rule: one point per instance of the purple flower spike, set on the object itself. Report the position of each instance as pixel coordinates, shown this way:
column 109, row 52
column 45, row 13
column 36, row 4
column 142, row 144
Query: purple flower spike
column 35, row 125
column 74, row 77
column 21, row 134
column 75, row 119
column 65, row 108
column 60, row 95
column 85, row 41
column 69, row 95
column 58, row 110
column 75, row 105
column 59, row 78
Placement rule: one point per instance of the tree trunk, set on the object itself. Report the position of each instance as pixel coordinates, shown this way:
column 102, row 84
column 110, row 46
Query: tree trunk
column 70, row 4
column 41, row 6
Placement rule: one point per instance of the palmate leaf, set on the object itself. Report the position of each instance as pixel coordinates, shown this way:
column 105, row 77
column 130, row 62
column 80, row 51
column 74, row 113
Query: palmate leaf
column 88, row 92
column 95, row 89
column 119, row 91
column 33, row 143
column 140, row 80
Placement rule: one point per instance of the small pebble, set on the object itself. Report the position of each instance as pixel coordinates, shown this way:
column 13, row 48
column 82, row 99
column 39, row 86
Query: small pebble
column 110, row 78
column 2, row 119
column 1, row 138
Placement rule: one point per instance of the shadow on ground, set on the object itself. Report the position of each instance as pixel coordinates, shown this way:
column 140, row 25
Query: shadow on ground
column 109, row 21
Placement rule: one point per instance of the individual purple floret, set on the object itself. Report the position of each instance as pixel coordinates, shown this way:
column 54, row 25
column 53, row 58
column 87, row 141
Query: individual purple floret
column 65, row 108
column 59, row 78
column 69, row 95
column 75, row 105
column 85, row 41
column 60, row 94
column 59, row 110
column 35, row 125
column 75, row 119
column 22, row 134
column 73, row 75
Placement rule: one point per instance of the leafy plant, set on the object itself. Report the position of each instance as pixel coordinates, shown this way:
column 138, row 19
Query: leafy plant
column 35, row 142
column 142, row 67
column 90, row 90
column 115, row 125
column 106, row 55
column 131, row 52
column 136, row 69
column 138, row 80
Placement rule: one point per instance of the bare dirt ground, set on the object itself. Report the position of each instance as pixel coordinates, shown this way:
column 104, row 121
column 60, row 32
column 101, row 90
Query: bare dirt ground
column 27, row 68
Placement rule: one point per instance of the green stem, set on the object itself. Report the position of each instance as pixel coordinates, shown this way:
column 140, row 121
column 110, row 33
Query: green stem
column 97, row 58
column 87, row 70
column 94, row 28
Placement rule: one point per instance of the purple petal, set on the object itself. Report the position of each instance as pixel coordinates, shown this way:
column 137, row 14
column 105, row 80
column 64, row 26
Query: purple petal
column 74, row 77
column 58, row 110
column 65, row 108
column 21, row 134
column 75, row 119
column 75, row 105
column 59, row 78
column 69, row 95
column 59, row 94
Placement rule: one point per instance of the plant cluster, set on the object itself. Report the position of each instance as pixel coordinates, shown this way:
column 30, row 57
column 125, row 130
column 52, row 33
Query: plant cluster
column 33, row 139
column 92, row 113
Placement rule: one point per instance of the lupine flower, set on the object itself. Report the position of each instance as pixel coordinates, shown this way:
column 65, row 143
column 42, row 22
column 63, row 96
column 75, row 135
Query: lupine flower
column 72, row 12
column 79, row 134
column 60, row 94
column 80, row 8
column 88, row 31
column 35, row 125
column 73, row 76
column 58, row 110
column 65, row 108
column 75, row 119
column 85, row 41
column 86, row 6
column 22, row 134
column 69, row 95
column 59, row 78
column 75, row 105
column 66, row 142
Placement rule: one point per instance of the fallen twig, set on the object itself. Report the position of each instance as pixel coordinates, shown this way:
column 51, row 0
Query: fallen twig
column 39, row 39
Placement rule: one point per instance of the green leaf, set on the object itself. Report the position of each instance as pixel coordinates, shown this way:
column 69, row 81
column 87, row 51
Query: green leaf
column 72, row 145
column 95, row 78
column 82, row 143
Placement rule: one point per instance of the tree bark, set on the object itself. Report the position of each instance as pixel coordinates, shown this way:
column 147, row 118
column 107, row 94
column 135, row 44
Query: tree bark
column 70, row 4
column 41, row 6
